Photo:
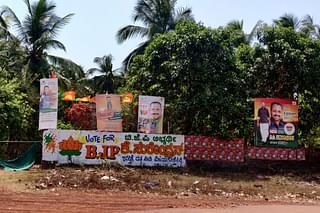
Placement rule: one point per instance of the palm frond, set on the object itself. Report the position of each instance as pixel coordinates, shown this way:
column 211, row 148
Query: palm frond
column 235, row 25
column 63, row 62
column 45, row 42
column 139, row 50
column 91, row 71
column 183, row 13
column 4, row 32
column 22, row 35
column 55, row 44
column 3, row 22
column 97, row 60
column 253, row 33
column 307, row 26
column 131, row 31
column 288, row 21
column 157, row 16
column 104, row 63
column 60, row 23
column 144, row 12
column 27, row 2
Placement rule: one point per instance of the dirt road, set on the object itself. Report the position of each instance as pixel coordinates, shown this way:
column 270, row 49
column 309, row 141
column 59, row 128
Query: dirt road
column 131, row 189
column 243, row 209
column 100, row 201
column 95, row 201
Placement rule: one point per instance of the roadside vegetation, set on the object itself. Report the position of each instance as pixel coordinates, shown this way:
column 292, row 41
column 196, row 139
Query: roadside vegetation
column 207, row 75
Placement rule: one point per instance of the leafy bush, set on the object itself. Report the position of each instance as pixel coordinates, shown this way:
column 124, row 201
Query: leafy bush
column 15, row 111
column 63, row 125
column 82, row 116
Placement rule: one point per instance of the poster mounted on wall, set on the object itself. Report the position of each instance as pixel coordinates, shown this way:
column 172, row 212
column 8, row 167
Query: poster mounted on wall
column 108, row 109
column 96, row 148
column 150, row 114
column 48, row 108
column 276, row 122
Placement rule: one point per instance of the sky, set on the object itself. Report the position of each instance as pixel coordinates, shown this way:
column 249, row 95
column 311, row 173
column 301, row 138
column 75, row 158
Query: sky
column 92, row 30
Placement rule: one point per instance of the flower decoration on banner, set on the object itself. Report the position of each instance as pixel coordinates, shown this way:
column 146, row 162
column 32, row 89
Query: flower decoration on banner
column 70, row 147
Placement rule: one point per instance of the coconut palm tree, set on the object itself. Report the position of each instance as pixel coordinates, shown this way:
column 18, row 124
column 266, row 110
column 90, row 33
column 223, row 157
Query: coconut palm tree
column 305, row 25
column 38, row 33
column 237, row 26
column 288, row 21
column 156, row 16
column 103, row 83
column 309, row 28
column 4, row 33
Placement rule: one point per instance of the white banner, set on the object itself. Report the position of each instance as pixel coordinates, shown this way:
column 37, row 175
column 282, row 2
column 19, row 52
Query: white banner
column 150, row 114
column 94, row 148
column 48, row 109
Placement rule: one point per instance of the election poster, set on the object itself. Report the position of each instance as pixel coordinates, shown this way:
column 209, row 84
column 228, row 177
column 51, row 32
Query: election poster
column 48, row 109
column 276, row 122
column 98, row 147
column 108, row 109
column 150, row 114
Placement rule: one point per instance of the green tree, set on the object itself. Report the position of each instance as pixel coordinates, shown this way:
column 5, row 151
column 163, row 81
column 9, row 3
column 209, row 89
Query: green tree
column 305, row 26
column 285, row 64
column 38, row 33
column 12, row 58
column 72, row 77
column 15, row 111
column 194, row 68
column 108, row 80
column 310, row 28
column 157, row 16
column 236, row 27
column 288, row 21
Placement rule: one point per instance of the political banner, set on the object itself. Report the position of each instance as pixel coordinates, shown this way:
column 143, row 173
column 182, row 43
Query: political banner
column 48, row 109
column 95, row 148
column 276, row 122
column 150, row 114
column 108, row 110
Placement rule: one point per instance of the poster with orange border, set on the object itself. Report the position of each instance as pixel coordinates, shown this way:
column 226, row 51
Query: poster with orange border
column 276, row 122
column 108, row 110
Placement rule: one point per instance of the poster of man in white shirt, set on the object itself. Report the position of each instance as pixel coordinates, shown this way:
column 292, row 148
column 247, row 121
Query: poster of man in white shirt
column 150, row 114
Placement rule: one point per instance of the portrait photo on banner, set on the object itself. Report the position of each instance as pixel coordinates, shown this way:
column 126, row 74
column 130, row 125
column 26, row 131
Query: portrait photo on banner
column 150, row 114
column 276, row 122
column 48, row 103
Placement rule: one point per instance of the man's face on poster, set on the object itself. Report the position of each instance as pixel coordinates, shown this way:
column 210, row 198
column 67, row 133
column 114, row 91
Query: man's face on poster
column 46, row 90
column 155, row 110
column 276, row 112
